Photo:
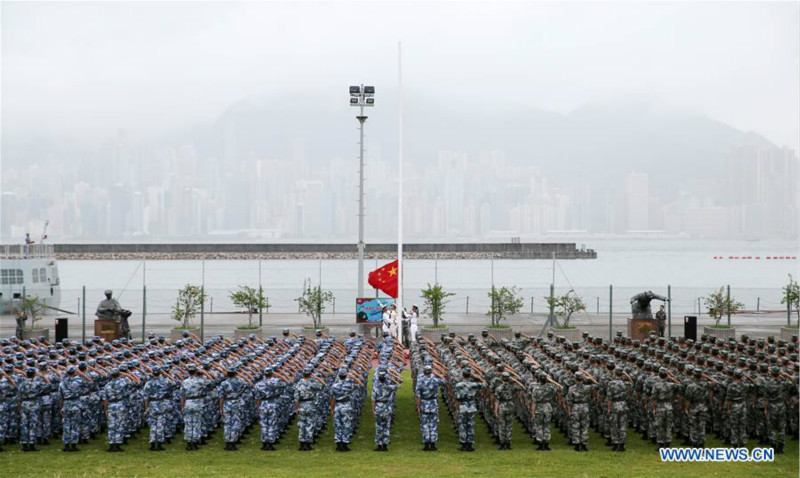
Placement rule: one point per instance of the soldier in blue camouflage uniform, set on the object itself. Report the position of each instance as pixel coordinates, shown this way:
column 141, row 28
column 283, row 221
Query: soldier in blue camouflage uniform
column 157, row 394
column 268, row 392
column 114, row 393
column 93, row 401
column 617, row 392
column 72, row 387
column 465, row 392
column 87, row 403
column 342, row 394
column 193, row 393
column 232, row 393
column 383, row 397
column 304, row 394
column 427, row 394
column 30, row 393
column 46, row 402
column 8, row 402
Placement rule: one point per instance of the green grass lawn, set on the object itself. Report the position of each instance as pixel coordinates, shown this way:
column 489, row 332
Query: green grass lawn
column 404, row 458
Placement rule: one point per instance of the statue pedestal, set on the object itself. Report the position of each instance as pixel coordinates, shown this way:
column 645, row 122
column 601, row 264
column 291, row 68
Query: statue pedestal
column 639, row 329
column 107, row 329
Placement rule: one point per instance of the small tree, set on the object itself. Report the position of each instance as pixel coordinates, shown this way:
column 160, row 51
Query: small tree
column 31, row 308
column 564, row 306
column 190, row 299
column 791, row 296
column 718, row 304
column 504, row 302
column 435, row 299
column 250, row 298
column 313, row 301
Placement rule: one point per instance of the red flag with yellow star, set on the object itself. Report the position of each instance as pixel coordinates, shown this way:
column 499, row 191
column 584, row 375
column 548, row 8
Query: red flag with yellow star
column 385, row 279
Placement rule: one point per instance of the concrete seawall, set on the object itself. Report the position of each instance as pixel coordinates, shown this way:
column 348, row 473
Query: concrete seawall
column 321, row 251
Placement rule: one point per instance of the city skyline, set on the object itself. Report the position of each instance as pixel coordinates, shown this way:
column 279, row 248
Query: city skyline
column 231, row 121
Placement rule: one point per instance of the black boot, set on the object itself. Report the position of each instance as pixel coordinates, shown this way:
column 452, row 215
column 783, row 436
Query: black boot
column 463, row 447
column 547, row 446
column 338, row 446
column 233, row 446
column 74, row 447
column 159, row 446
column 152, row 446
column 577, row 447
column 346, row 446
column 433, row 447
column 189, row 446
column 621, row 447
column 469, row 447
column 25, row 447
column 111, row 448
column 540, row 447
column 427, row 447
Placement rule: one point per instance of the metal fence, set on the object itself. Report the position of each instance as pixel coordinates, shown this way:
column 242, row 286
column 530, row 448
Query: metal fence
column 150, row 289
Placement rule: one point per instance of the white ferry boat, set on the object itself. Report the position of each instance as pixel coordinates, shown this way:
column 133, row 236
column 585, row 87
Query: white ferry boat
column 25, row 270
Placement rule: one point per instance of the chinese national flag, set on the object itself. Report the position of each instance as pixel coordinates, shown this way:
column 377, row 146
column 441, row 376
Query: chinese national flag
column 385, row 279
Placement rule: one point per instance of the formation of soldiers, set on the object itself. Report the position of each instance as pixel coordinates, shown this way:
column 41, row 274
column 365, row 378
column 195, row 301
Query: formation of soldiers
column 661, row 388
column 739, row 390
column 77, row 390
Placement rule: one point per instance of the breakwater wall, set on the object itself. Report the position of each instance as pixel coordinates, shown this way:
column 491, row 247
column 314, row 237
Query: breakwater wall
column 270, row 251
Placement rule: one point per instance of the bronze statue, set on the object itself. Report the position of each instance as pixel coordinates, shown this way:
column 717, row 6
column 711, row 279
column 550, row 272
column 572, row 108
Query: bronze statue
column 110, row 309
column 640, row 304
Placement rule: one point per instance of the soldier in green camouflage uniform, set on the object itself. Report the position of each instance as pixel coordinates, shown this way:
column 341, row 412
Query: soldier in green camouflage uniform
column 504, row 394
column 696, row 408
column 617, row 392
column 736, row 410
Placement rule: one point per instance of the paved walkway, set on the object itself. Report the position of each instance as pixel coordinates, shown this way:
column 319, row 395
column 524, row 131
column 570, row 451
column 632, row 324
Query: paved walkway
column 763, row 324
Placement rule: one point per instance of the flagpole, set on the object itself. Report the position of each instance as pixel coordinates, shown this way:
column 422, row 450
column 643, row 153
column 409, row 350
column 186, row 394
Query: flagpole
column 400, row 185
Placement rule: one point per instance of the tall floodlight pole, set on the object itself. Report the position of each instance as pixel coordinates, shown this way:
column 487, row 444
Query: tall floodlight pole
column 399, row 183
column 361, row 96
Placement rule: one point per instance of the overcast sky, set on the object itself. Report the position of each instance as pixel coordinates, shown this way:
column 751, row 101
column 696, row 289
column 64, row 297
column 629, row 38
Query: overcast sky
column 82, row 70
